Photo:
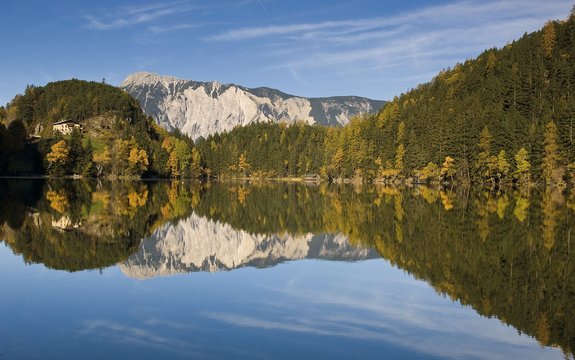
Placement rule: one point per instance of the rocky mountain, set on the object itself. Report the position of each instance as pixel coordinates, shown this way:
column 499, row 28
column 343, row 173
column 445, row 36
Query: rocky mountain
column 200, row 244
column 203, row 108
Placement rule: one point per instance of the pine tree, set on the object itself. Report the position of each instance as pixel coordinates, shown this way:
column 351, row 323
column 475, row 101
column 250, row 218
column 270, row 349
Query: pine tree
column 502, row 166
column 552, row 173
column 484, row 155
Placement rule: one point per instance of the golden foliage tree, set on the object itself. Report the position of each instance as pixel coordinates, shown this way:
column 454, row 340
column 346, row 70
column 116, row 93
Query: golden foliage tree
column 448, row 170
column 138, row 160
column 522, row 171
column 549, row 38
column 243, row 164
column 57, row 157
column 102, row 160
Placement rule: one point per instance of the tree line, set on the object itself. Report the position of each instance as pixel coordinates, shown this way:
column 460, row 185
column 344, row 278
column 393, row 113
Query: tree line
column 505, row 117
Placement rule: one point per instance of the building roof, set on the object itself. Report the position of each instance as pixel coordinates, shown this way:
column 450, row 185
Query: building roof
column 66, row 122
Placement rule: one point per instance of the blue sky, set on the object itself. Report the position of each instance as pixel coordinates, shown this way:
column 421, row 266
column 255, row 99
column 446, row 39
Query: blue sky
column 373, row 48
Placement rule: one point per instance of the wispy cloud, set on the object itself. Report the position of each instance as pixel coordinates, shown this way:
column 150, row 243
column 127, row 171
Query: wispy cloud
column 161, row 29
column 144, row 335
column 420, row 321
column 421, row 41
column 127, row 16
column 454, row 13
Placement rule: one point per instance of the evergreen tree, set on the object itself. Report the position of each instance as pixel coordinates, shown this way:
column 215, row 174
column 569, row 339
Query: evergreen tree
column 552, row 172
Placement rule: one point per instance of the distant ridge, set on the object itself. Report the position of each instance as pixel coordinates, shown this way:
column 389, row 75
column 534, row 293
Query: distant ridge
column 204, row 108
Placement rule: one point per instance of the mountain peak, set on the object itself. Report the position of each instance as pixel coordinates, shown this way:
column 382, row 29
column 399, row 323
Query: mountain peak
column 149, row 78
column 199, row 109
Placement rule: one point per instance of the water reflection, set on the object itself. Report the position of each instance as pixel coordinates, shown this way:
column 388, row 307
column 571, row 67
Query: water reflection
column 507, row 255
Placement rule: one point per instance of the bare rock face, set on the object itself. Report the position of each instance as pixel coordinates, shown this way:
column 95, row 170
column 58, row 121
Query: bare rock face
column 200, row 244
column 204, row 108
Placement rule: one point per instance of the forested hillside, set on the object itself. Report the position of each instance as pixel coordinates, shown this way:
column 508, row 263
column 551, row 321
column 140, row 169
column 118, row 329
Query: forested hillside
column 506, row 116
column 503, row 118
column 117, row 139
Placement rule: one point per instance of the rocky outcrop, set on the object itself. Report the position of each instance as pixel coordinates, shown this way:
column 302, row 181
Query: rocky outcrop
column 200, row 244
column 203, row 108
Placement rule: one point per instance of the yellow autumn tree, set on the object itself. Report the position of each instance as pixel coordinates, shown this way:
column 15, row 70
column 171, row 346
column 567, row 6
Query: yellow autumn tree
column 58, row 201
column 549, row 38
column 180, row 156
column 138, row 160
column 243, row 164
column 400, row 154
column 102, row 160
column 448, row 170
column 522, row 167
column 521, row 208
column 57, row 158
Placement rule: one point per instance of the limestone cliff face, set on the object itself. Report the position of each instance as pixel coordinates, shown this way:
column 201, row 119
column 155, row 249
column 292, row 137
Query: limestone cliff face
column 200, row 244
column 203, row 108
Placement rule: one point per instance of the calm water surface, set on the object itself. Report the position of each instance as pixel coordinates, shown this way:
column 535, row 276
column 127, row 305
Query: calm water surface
column 186, row 270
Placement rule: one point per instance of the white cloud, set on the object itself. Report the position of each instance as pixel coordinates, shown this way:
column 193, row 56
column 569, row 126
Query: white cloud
column 126, row 16
column 405, row 313
column 404, row 45
column 455, row 13
column 160, row 29
column 144, row 335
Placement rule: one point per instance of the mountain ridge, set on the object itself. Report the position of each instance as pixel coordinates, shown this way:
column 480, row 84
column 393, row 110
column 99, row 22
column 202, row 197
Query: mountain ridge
column 199, row 109
column 199, row 244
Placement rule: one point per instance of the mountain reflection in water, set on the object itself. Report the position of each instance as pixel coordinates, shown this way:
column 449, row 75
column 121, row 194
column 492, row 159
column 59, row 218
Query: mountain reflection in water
column 507, row 255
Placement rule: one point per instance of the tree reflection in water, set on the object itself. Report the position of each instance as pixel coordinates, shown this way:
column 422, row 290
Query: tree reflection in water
column 507, row 255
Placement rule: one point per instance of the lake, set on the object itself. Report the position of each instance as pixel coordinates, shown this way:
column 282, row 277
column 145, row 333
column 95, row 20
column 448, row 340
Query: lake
column 180, row 270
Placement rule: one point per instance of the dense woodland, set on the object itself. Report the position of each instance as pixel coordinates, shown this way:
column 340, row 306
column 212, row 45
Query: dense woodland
column 506, row 116
column 118, row 139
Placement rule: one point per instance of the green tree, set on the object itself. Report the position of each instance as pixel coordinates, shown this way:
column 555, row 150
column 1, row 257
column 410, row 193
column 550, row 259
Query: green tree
column 196, row 164
column 483, row 157
column 503, row 166
column 76, row 153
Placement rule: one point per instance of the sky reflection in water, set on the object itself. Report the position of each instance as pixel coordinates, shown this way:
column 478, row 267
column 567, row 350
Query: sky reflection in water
column 304, row 309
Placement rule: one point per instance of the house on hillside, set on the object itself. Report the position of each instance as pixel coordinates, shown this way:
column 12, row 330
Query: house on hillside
column 65, row 127
column 64, row 223
column 315, row 178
